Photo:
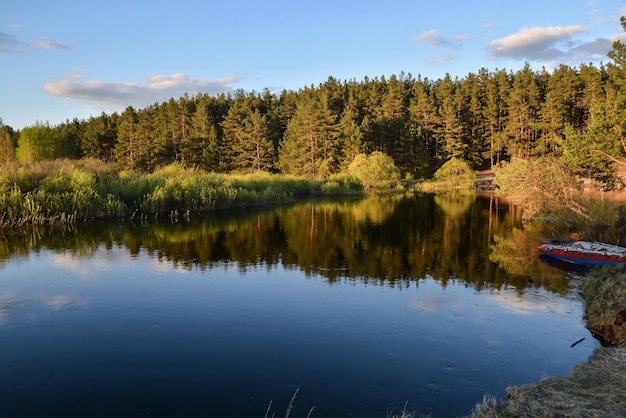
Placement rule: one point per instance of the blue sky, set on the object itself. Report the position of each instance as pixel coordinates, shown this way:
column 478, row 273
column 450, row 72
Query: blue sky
column 72, row 59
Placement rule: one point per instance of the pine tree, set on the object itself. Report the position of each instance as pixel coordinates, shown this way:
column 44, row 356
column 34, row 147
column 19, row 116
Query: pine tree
column 523, row 104
column 451, row 130
column 424, row 118
column 125, row 148
column 254, row 150
column 309, row 147
column 201, row 147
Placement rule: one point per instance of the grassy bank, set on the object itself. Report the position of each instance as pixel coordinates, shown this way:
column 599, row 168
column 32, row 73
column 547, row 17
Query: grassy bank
column 593, row 389
column 55, row 192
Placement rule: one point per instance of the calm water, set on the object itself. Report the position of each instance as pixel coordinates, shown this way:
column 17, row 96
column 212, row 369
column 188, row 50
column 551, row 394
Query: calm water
column 362, row 305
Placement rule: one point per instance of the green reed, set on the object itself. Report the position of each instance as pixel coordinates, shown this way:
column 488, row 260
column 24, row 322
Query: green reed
column 69, row 191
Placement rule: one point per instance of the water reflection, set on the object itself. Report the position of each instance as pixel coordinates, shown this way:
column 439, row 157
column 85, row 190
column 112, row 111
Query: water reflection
column 31, row 307
column 364, row 304
column 385, row 240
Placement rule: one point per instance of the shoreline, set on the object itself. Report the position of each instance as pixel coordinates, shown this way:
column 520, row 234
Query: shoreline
column 593, row 388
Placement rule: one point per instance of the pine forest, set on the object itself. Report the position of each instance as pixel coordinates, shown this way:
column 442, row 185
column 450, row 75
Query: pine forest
column 575, row 114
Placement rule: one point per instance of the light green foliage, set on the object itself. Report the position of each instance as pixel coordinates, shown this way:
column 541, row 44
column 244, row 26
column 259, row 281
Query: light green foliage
column 456, row 174
column 545, row 187
column 67, row 192
column 342, row 184
column 376, row 170
column 7, row 146
column 36, row 143
column 42, row 142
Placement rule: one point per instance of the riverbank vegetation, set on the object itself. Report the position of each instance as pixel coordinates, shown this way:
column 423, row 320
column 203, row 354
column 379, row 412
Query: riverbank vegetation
column 64, row 191
column 453, row 175
column 591, row 389
column 547, row 188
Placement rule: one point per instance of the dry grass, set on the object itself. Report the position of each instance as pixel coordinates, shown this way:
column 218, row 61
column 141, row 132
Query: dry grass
column 593, row 389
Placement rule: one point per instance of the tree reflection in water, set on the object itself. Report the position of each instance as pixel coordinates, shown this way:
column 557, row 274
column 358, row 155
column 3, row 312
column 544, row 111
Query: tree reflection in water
column 391, row 240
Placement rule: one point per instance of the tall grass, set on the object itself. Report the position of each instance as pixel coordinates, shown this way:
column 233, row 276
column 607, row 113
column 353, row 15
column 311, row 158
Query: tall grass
column 67, row 191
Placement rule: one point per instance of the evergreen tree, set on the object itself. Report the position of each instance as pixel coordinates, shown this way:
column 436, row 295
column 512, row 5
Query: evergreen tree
column 450, row 109
column 349, row 133
column 201, row 148
column 254, row 150
column 498, row 88
column 7, row 143
column 523, row 105
column 424, row 118
column 561, row 107
column 98, row 136
column 126, row 147
column 310, row 144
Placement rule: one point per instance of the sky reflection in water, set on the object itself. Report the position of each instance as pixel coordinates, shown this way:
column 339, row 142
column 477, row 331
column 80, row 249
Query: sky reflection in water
column 121, row 332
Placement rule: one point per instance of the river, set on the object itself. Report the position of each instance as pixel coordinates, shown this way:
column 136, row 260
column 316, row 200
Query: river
column 360, row 306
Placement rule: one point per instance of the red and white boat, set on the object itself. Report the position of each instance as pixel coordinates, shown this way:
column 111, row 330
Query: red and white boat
column 586, row 253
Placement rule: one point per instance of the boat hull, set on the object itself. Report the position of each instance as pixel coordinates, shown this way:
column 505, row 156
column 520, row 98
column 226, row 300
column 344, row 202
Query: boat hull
column 578, row 254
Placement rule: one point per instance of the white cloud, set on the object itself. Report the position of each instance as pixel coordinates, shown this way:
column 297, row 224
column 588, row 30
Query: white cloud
column 538, row 43
column 464, row 36
column 441, row 59
column 432, row 37
column 488, row 25
column 11, row 44
column 116, row 96
column 51, row 45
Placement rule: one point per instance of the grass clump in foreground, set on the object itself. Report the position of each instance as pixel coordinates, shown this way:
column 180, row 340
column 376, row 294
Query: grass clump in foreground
column 270, row 414
column 593, row 389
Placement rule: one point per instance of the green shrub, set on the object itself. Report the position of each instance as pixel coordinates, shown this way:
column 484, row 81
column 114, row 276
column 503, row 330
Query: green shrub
column 376, row 171
column 456, row 174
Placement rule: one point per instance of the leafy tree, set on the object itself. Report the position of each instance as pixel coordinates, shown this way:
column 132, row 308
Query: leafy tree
column 543, row 186
column 38, row 142
column 457, row 173
column 376, row 170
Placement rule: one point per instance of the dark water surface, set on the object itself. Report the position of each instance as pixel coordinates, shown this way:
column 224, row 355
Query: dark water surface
column 362, row 305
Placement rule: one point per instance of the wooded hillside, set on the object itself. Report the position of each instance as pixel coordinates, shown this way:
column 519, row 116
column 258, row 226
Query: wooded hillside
column 577, row 114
